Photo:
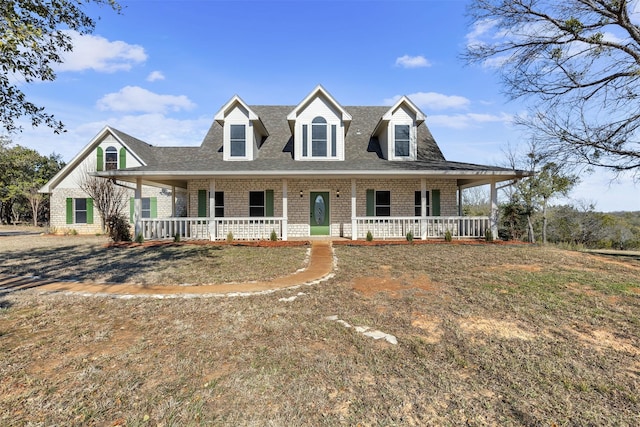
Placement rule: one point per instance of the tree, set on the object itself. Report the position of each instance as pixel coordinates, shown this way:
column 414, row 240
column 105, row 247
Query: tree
column 579, row 62
column 109, row 198
column 33, row 38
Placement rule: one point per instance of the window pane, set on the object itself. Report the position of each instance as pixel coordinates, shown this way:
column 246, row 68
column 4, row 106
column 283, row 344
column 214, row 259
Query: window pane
column 402, row 140
column 256, row 203
column 219, row 211
column 238, row 140
column 146, row 207
column 111, row 158
column 81, row 211
column 219, row 199
column 256, row 211
column 383, row 198
column 319, row 120
column 383, row 211
column 334, row 142
column 319, row 140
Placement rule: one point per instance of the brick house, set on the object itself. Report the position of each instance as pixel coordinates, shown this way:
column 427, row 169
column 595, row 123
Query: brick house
column 317, row 168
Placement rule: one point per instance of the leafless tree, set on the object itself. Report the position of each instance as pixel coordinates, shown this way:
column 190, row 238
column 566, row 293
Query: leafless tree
column 578, row 61
column 109, row 198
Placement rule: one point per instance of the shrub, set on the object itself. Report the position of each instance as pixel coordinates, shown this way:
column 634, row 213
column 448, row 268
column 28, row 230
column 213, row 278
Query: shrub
column 139, row 238
column 229, row 237
column 369, row 236
column 118, row 228
column 447, row 235
column 176, row 237
column 273, row 236
column 410, row 237
column 488, row 235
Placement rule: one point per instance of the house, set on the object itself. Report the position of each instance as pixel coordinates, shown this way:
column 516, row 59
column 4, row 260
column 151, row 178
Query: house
column 316, row 168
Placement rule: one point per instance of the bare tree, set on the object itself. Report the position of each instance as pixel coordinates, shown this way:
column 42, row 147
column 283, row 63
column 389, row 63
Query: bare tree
column 109, row 198
column 579, row 62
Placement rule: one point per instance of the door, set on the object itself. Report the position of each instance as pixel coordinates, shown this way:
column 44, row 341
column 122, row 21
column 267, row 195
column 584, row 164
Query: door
column 319, row 208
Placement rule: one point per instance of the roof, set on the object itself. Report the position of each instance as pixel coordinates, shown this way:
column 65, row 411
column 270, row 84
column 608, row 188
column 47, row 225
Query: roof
column 275, row 155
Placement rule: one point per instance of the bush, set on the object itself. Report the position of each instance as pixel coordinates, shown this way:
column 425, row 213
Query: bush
column 229, row 237
column 410, row 237
column 176, row 237
column 139, row 238
column 118, row 228
column 488, row 235
column 369, row 236
column 274, row 236
column 447, row 236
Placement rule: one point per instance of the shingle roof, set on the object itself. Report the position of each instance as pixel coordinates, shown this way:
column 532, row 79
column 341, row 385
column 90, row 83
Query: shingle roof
column 362, row 151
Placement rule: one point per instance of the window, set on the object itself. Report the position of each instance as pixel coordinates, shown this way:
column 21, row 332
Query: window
column 238, row 140
column 80, row 211
column 146, row 207
column 418, row 203
column 319, row 137
column 111, row 158
column 149, row 208
column 219, row 200
column 401, row 140
column 256, row 203
column 383, row 203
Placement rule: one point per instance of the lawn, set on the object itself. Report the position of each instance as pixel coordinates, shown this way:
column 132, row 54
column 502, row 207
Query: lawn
column 486, row 335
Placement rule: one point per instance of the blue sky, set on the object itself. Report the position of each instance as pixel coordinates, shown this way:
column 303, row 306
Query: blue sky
column 162, row 69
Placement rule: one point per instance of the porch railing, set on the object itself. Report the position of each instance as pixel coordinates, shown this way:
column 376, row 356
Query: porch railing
column 250, row 228
column 460, row 227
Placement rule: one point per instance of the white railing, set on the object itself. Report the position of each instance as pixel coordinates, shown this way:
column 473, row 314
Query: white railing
column 250, row 228
column 460, row 227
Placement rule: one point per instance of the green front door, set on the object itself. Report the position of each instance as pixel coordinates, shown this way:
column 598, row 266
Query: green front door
column 319, row 208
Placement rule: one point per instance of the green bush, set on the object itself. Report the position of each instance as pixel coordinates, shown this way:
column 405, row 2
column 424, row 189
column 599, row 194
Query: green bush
column 369, row 236
column 488, row 235
column 229, row 237
column 118, row 228
column 447, row 236
column 176, row 237
column 139, row 238
column 273, row 236
column 410, row 237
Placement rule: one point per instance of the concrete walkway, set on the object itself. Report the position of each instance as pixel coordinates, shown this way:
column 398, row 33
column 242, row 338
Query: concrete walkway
column 320, row 268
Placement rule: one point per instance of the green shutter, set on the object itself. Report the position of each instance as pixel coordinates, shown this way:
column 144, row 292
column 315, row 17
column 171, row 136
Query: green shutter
column 69, row 210
column 268, row 204
column 99, row 159
column 435, row 202
column 202, row 203
column 153, row 202
column 123, row 158
column 89, row 211
column 132, row 209
column 371, row 207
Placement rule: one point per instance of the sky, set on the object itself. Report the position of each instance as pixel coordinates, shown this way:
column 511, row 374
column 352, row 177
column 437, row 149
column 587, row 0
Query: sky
column 161, row 69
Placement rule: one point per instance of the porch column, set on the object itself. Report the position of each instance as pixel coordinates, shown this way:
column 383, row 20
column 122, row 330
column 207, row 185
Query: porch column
column 423, row 208
column 137, row 208
column 459, row 201
column 212, row 209
column 354, row 224
column 285, row 210
column 493, row 219
column 173, row 201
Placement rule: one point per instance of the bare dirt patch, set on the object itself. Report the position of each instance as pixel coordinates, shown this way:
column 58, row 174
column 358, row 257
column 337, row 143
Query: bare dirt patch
column 496, row 328
column 395, row 286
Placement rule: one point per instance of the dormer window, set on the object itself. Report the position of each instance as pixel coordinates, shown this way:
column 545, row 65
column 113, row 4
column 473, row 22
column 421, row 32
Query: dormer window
column 111, row 158
column 238, row 140
column 402, row 140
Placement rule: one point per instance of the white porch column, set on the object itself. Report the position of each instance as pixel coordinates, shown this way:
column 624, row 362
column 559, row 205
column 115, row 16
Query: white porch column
column 423, row 208
column 494, row 210
column 354, row 224
column 137, row 208
column 459, row 201
column 285, row 210
column 212, row 209
column 173, row 201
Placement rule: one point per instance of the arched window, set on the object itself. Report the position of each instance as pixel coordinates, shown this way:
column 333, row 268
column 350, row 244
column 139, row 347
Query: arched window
column 319, row 137
column 111, row 158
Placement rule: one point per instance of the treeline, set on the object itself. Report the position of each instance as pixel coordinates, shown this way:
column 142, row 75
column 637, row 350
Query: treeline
column 23, row 171
column 576, row 226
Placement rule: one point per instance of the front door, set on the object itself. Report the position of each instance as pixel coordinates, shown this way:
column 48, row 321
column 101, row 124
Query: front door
column 319, row 209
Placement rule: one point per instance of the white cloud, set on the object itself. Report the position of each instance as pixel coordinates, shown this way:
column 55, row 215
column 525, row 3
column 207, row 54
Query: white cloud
column 433, row 101
column 134, row 98
column 465, row 121
column 99, row 54
column 479, row 30
column 407, row 61
column 154, row 76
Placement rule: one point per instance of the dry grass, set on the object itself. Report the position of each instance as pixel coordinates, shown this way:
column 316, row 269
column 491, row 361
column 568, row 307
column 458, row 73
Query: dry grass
column 487, row 335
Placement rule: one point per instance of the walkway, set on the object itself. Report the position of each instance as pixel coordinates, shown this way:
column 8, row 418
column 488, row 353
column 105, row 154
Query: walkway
column 320, row 268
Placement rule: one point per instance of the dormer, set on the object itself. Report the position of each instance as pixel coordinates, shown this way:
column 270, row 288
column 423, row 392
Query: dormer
column 397, row 131
column 242, row 130
column 319, row 126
